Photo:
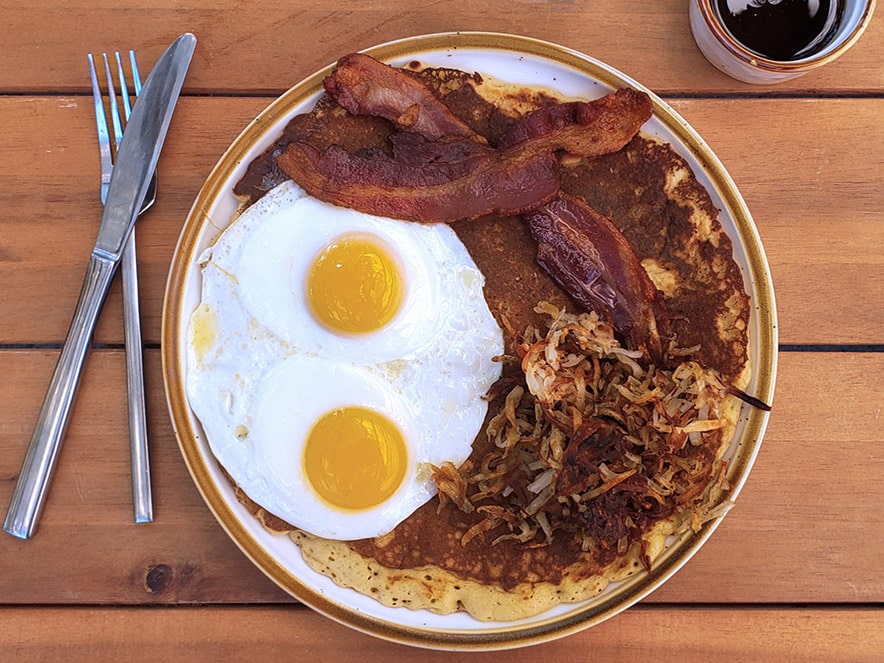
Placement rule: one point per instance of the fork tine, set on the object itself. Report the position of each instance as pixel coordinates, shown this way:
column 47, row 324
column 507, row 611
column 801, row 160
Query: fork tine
column 136, row 77
column 114, row 109
column 124, row 90
column 104, row 149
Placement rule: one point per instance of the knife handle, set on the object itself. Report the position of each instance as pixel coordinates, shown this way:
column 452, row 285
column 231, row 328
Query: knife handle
column 36, row 473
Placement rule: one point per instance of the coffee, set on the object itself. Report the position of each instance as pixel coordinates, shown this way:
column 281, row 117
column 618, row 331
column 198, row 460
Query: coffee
column 781, row 29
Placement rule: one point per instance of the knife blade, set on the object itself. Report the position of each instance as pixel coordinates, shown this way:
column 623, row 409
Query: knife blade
column 136, row 161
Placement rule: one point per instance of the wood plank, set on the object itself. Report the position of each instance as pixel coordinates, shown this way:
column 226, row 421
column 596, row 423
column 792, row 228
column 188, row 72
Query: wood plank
column 51, row 211
column 89, row 505
column 805, row 169
column 814, row 189
column 263, row 46
column 673, row 633
column 809, row 513
column 807, row 526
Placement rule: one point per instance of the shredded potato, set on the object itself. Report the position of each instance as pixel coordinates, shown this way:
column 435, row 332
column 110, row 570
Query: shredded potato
column 594, row 444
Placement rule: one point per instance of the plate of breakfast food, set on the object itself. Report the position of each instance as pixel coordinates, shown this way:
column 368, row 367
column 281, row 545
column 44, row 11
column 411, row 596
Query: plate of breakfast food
column 469, row 341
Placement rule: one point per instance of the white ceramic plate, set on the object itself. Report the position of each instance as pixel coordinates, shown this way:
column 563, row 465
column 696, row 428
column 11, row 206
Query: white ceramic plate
column 508, row 58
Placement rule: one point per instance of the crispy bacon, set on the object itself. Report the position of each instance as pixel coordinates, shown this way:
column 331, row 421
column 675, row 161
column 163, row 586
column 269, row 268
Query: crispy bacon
column 446, row 190
column 583, row 128
column 592, row 260
column 364, row 86
column 440, row 171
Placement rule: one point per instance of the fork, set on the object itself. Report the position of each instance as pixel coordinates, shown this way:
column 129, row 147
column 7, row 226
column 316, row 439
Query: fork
column 141, row 488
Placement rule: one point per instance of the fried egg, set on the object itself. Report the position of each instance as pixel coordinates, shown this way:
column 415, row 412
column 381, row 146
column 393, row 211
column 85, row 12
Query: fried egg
column 335, row 357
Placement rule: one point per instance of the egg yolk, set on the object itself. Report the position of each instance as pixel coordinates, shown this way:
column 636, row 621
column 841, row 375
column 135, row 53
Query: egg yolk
column 354, row 286
column 355, row 458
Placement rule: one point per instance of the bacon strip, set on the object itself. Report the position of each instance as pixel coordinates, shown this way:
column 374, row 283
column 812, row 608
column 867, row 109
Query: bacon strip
column 365, row 86
column 583, row 128
column 412, row 188
column 592, row 260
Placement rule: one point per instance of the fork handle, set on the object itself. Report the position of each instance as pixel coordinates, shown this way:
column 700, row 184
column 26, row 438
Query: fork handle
column 142, row 499
column 36, row 473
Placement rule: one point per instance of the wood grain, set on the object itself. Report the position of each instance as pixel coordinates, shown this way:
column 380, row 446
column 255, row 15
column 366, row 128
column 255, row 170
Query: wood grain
column 805, row 169
column 658, row 633
column 262, row 46
column 807, row 526
column 794, row 572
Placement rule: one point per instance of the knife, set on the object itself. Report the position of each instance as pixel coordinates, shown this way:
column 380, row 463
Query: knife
column 136, row 161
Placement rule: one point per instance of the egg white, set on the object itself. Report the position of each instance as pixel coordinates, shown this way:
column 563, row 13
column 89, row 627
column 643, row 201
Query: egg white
column 284, row 415
column 270, row 252
column 261, row 370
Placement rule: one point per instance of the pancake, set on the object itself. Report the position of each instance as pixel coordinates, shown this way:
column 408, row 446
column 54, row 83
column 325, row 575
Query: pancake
column 652, row 196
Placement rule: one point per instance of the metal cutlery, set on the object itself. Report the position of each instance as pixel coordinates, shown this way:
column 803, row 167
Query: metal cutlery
column 135, row 164
column 142, row 500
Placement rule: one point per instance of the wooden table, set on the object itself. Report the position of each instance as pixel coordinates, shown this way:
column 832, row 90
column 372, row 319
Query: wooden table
column 794, row 572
